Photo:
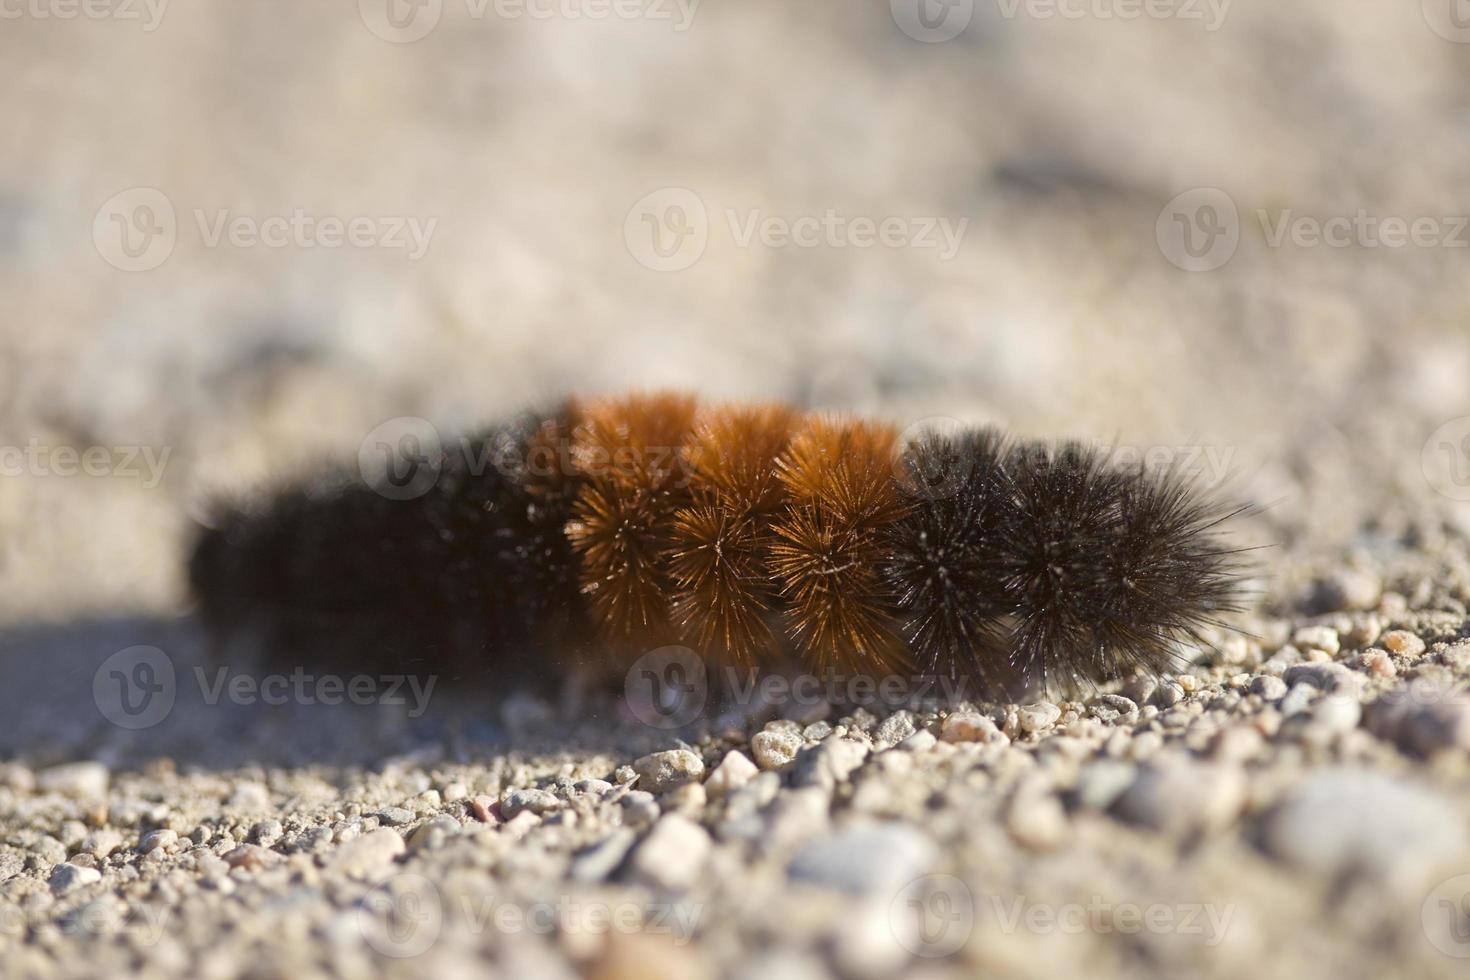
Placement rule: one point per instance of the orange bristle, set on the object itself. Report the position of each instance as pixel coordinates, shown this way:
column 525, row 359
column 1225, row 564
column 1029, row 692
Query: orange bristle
column 628, row 451
column 724, row 593
column 829, row 547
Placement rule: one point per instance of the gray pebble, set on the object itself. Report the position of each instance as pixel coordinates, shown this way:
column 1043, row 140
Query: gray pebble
column 1350, row 821
column 1329, row 677
column 68, row 877
column 537, row 801
column 895, row 728
column 600, row 860
column 865, row 860
column 1101, row 783
column 158, row 840
column 266, row 832
column 393, row 816
column 639, row 809
column 432, row 835
column 1177, row 796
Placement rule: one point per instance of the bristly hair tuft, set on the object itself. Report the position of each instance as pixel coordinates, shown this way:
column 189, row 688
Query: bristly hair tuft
column 943, row 557
column 829, row 548
column 628, row 451
column 719, row 543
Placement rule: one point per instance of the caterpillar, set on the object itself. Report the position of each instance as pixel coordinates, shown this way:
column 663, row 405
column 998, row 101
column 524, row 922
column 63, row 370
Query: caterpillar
column 746, row 532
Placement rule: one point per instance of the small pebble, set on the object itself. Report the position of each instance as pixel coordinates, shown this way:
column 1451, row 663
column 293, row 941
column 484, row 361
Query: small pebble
column 1342, row 821
column 864, row 860
column 600, row 860
column 396, row 816
column 1322, row 638
column 1402, row 643
column 482, row 808
column 252, row 857
column 158, row 840
column 1178, row 797
column 367, row 854
column 79, row 780
column 69, row 877
column 734, row 771
column 920, row 741
column 968, row 726
column 774, row 749
column 663, row 771
column 432, row 835
column 266, row 832
column 672, row 855
column 1101, row 783
column 1268, row 687
column 537, row 801
column 1039, row 716
column 830, row 763
column 894, row 729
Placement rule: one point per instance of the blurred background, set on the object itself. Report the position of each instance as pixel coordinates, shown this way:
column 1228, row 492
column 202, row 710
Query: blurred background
column 235, row 238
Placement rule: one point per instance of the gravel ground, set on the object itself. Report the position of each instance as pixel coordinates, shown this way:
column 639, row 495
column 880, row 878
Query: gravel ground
column 1294, row 802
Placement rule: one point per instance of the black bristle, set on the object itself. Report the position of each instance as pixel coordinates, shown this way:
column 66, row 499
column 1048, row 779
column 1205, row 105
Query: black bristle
column 943, row 557
column 1110, row 570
